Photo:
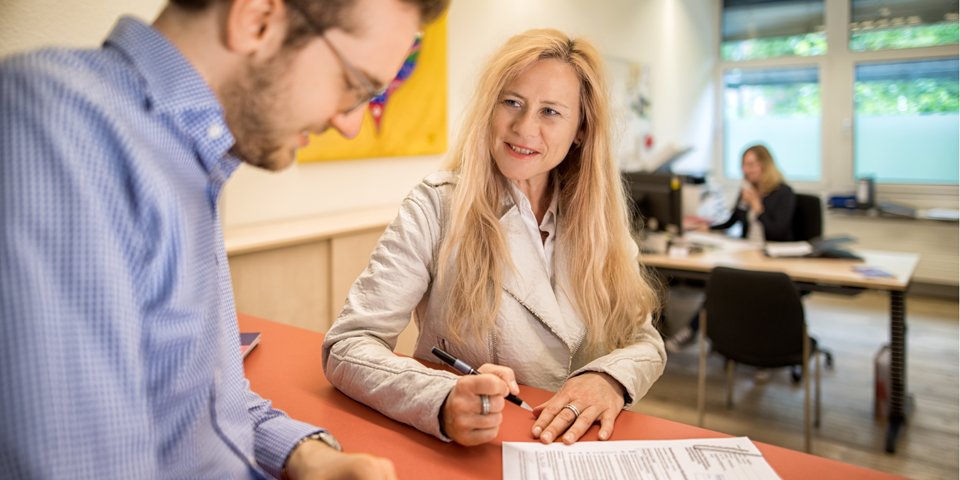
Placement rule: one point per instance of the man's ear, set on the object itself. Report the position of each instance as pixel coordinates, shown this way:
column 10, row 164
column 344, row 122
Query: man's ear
column 251, row 24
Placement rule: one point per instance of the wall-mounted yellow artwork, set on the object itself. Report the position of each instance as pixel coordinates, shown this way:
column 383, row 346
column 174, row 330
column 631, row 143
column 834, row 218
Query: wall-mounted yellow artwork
column 413, row 118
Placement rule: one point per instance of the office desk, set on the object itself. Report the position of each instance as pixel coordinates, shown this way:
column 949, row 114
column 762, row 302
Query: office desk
column 286, row 369
column 825, row 275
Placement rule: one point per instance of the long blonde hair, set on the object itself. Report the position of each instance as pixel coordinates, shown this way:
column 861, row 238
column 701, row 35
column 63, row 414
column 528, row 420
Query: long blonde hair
column 611, row 293
column 771, row 178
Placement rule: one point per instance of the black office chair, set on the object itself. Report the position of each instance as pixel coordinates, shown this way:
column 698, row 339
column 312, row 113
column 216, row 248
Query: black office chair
column 807, row 218
column 807, row 226
column 756, row 318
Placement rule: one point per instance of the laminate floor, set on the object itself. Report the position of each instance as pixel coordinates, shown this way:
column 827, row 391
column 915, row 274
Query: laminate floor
column 853, row 328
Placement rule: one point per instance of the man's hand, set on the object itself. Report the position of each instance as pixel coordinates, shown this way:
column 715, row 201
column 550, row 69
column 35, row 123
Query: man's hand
column 463, row 420
column 314, row 460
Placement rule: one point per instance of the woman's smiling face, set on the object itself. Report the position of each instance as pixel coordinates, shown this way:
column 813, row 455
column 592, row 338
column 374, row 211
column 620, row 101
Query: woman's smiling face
column 536, row 120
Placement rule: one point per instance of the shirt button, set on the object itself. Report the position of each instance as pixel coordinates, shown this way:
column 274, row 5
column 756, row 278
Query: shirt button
column 215, row 131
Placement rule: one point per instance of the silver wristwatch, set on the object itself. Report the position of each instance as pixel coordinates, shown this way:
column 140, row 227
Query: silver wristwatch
column 321, row 436
column 325, row 437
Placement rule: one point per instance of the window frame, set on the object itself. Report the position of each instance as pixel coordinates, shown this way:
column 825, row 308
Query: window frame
column 837, row 71
column 766, row 64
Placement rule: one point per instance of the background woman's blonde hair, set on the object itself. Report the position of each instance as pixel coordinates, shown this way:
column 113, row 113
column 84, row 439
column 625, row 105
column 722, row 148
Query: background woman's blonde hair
column 611, row 293
column 771, row 178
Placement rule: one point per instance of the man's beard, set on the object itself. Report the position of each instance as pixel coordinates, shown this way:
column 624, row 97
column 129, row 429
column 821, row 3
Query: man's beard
column 251, row 108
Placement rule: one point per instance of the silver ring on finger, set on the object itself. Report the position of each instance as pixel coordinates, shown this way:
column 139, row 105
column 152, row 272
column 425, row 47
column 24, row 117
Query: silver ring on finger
column 573, row 408
column 484, row 404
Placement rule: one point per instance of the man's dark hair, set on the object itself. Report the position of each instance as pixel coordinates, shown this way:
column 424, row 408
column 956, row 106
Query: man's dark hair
column 325, row 14
column 193, row 4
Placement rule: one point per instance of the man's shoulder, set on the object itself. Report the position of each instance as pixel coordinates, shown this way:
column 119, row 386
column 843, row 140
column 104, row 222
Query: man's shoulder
column 54, row 76
column 50, row 64
column 74, row 109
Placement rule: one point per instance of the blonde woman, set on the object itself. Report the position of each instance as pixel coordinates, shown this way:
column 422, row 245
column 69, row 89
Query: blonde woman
column 519, row 259
column 765, row 204
column 764, row 209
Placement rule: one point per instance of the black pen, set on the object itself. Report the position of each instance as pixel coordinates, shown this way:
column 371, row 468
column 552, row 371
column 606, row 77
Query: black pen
column 465, row 369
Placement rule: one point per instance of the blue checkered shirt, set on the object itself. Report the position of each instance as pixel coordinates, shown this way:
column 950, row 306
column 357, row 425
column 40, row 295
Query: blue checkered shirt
column 119, row 351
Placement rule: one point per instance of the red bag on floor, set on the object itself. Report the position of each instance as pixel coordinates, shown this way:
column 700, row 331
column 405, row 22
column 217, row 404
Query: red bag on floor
column 881, row 382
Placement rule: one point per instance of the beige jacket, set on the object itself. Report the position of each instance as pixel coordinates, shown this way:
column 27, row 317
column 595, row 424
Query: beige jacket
column 538, row 331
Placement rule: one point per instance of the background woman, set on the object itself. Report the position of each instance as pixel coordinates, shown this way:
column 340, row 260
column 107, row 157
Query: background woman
column 765, row 204
column 764, row 209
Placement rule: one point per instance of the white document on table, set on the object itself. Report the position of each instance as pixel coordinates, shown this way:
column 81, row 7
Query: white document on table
column 716, row 241
column 692, row 459
column 788, row 249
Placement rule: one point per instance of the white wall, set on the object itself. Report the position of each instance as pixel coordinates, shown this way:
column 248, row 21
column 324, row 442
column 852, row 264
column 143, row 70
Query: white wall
column 26, row 24
column 676, row 38
column 681, row 48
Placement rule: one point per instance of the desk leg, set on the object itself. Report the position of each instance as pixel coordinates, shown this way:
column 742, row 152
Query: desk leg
column 898, row 368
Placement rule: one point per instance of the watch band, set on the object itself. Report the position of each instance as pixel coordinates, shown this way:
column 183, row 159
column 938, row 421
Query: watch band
column 321, row 436
column 325, row 437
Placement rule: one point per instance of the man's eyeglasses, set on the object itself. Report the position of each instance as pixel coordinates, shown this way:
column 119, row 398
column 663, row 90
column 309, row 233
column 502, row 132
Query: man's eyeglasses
column 358, row 84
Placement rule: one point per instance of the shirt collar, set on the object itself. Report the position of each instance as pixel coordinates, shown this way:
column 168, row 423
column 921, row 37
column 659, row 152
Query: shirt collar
column 173, row 84
column 175, row 88
column 523, row 203
column 550, row 218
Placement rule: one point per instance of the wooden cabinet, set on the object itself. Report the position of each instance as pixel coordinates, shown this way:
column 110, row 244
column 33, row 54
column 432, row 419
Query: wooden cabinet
column 287, row 284
column 299, row 271
column 349, row 255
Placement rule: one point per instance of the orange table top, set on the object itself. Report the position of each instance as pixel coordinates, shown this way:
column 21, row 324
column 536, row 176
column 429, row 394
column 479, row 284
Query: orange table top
column 286, row 369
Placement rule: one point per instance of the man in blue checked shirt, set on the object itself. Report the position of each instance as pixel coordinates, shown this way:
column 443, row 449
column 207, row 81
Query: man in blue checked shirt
column 119, row 349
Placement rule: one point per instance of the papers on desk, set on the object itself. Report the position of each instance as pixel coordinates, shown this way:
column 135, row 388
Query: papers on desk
column 787, row 249
column 946, row 214
column 872, row 272
column 716, row 241
column 713, row 458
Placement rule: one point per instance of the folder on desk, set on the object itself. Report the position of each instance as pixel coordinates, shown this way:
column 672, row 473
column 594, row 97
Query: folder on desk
column 818, row 248
column 787, row 249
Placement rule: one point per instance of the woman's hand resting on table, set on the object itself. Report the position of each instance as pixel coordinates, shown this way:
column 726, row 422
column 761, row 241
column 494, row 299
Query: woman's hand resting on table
column 596, row 396
column 462, row 416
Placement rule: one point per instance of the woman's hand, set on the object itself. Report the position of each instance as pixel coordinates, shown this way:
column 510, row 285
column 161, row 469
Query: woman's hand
column 752, row 197
column 462, row 416
column 696, row 224
column 595, row 395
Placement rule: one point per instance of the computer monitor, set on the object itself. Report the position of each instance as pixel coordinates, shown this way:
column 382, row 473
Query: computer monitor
column 657, row 201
